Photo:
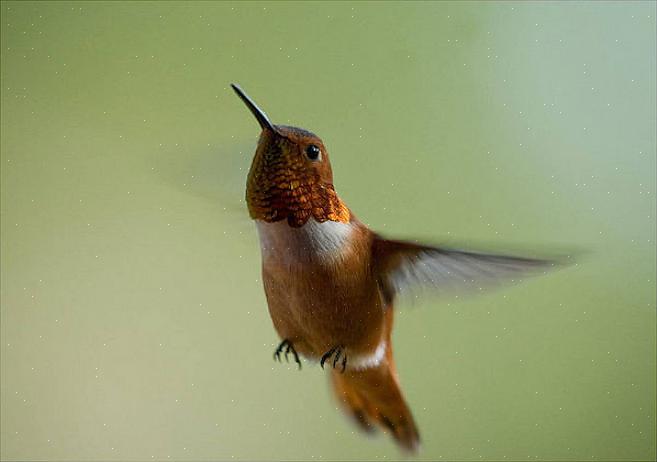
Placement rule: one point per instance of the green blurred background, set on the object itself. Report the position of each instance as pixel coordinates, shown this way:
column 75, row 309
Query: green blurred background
column 134, row 324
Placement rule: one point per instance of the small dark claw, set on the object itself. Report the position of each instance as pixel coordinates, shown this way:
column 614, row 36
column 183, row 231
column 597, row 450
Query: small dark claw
column 337, row 356
column 279, row 350
column 326, row 356
column 296, row 358
column 289, row 348
column 339, row 352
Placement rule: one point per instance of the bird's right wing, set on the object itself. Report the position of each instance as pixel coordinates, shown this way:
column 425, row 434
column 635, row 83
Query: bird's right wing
column 404, row 266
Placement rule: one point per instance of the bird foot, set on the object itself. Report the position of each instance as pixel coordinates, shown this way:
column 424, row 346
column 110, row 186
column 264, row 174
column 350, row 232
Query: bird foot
column 289, row 348
column 338, row 353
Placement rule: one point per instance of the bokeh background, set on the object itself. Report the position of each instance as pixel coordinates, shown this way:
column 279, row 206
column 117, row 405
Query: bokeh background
column 134, row 325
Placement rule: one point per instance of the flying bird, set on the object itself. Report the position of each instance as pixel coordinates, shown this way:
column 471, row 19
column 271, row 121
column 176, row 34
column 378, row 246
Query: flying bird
column 331, row 283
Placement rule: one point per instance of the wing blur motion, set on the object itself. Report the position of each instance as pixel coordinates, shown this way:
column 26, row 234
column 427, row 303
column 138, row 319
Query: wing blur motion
column 404, row 266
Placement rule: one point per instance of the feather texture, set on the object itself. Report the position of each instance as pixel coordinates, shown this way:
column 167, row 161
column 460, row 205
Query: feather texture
column 404, row 267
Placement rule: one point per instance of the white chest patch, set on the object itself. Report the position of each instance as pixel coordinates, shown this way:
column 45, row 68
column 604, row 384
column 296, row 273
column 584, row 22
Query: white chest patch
column 369, row 361
column 285, row 243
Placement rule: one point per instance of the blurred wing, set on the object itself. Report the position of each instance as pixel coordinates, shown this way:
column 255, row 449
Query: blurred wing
column 216, row 174
column 405, row 266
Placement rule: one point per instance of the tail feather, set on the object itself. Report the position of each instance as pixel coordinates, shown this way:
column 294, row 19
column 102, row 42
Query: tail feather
column 372, row 396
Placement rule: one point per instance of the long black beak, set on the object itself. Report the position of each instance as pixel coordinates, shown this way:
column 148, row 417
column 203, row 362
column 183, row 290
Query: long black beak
column 259, row 114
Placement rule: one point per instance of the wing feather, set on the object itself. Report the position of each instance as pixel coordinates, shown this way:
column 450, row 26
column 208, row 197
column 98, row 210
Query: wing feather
column 403, row 267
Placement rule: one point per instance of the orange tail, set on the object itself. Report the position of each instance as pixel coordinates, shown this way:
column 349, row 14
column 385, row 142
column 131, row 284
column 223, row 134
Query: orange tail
column 373, row 396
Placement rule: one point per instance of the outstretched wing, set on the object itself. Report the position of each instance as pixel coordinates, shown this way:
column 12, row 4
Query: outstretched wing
column 404, row 266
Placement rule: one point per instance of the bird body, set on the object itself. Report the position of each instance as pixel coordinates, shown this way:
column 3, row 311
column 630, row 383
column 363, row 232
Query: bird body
column 320, row 288
column 322, row 291
column 331, row 282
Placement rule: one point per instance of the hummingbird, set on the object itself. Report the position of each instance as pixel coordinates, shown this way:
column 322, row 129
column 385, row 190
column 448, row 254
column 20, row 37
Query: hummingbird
column 331, row 283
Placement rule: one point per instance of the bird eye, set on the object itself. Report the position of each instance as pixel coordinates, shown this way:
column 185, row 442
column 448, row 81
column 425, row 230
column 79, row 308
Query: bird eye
column 313, row 152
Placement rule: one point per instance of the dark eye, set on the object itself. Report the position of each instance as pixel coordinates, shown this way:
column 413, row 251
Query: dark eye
column 313, row 152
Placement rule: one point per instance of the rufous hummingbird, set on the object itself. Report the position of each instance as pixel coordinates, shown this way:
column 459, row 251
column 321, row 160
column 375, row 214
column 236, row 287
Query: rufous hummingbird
column 331, row 282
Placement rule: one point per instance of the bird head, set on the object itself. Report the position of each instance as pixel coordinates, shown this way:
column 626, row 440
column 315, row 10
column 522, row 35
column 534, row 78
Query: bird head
column 290, row 176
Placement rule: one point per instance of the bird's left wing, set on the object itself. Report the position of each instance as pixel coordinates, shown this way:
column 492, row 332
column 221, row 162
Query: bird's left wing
column 403, row 266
